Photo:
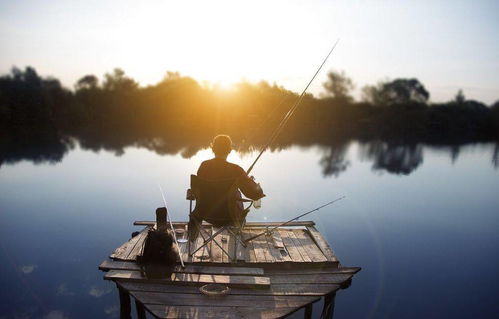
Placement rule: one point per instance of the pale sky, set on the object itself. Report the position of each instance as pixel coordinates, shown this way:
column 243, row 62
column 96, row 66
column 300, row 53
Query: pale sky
column 447, row 45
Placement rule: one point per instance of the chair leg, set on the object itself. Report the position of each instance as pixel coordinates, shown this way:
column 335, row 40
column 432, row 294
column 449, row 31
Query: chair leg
column 217, row 243
column 238, row 235
column 206, row 241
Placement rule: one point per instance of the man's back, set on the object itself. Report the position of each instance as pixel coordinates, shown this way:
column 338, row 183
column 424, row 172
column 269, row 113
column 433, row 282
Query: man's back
column 219, row 169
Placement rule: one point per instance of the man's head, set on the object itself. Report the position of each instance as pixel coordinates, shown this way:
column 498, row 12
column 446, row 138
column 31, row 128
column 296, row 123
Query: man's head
column 221, row 145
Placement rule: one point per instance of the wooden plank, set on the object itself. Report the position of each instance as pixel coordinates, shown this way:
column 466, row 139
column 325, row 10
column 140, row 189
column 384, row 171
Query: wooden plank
column 249, row 254
column 161, row 311
column 322, row 244
column 240, row 252
column 309, row 271
column 260, row 247
column 277, row 240
column 275, row 289
column 224, row 240
column 196, row 269
column 216, row 251
column 139, row 245
column 224, row 279
column 275, row 252
column 294, row 254
column 313, row 251
column 231, row 246
column 298, row 246
column 198, row 299
column 203, row 254
column 193, row 279
column 248, row 224
column 122, row 252
column 310, row 278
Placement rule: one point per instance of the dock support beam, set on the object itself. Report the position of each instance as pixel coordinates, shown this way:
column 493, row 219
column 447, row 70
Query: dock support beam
column 125, row 308
column 308, row 311
column 141, row 312
column 328, row 310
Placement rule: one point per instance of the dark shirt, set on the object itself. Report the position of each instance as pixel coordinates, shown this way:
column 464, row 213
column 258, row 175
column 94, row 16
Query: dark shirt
column 220, row 169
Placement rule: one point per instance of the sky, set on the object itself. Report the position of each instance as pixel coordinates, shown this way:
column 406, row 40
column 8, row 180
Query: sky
column 447, row 45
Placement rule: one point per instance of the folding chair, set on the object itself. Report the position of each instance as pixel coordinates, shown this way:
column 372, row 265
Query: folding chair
column 220, row 204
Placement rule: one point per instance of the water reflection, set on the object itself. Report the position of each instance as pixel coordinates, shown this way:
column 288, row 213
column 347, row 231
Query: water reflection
column 392, row 157
column 333, row 161
column 42, row 150
column 495, row 156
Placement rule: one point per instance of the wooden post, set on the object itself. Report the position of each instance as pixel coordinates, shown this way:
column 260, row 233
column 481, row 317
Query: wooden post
column 161, row 218
column 308, row 311
column 141, row 312
column 328, row 310
column 125, row 308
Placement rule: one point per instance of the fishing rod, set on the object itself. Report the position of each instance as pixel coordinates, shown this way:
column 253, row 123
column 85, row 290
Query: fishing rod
column 269, row 231
column 171, row 226
column 249, row 137
column 290, row 112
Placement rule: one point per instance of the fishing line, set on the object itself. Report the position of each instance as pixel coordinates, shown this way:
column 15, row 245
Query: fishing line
column 171, row 226
column 290, row 112
column 269, row 231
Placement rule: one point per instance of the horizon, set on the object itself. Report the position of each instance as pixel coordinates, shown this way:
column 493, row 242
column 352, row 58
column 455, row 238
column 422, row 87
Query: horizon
column 226, row 42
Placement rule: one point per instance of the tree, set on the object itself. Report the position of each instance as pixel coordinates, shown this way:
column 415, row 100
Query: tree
column 460, row 99
column 118, row 81
column 339, row 85
column 87, row 82
column 398, row 91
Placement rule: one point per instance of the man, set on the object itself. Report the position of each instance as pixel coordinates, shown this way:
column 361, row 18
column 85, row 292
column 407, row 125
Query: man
column 219, row 169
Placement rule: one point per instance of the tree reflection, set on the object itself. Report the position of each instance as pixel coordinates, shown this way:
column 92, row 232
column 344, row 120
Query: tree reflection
column 333, row 162
column 41, row 150
column 393, row 157
column 495, row 156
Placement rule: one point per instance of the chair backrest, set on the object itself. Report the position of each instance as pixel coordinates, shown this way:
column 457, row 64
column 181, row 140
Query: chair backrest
column 215, row 200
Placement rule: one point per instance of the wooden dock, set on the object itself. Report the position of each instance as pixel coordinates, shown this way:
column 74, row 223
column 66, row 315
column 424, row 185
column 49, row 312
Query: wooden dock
column 274, row 276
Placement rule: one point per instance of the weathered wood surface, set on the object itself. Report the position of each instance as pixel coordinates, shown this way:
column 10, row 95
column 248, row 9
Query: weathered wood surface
column 260, row 247
column 195, row 269
column 310, row 278
column 216, row 250
column 203, row 254
column 193, row 279
column 293, row 252
column 309, row 246
column 297, row 244
column 130, row 249
column 286, row 245
column 198, row 299
column 322, row 244
column 248, row 224
column 310, row 270
column 277, row 240
column 200, row 312
column 314, row 289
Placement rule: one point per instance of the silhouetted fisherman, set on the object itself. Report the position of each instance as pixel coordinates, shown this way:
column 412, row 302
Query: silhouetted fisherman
column 219, row 169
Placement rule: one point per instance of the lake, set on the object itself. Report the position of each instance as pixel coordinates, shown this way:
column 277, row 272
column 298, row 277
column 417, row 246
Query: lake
column 422, row 221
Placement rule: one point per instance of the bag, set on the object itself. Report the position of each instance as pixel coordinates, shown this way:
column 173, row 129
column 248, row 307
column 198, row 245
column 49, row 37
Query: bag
column 158, row 249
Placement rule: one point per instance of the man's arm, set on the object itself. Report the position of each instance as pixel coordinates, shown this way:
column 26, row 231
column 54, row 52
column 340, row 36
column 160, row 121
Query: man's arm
column 249, row 188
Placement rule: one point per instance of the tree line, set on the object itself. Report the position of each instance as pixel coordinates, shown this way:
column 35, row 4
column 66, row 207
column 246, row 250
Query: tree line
column 179, row 114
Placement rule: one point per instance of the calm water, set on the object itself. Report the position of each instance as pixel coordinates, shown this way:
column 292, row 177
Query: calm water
column 422, row 222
